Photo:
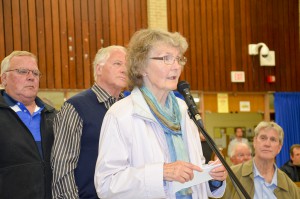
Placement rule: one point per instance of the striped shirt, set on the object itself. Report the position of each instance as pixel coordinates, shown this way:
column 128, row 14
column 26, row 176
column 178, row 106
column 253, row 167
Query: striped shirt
column 66, row 148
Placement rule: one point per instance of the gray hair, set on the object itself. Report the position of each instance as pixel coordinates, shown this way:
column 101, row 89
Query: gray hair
column 235, row 146
column 269, row 125
column 6, row 61
column 141, row 43
column 103, row 54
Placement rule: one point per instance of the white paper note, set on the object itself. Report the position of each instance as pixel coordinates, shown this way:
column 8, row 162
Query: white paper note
column 199, row 177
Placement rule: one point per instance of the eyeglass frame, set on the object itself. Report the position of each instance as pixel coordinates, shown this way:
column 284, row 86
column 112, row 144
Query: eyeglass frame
column 35, row 73
column 177, row 58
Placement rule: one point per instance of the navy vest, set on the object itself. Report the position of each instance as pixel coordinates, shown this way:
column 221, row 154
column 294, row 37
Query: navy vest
column 92, row 113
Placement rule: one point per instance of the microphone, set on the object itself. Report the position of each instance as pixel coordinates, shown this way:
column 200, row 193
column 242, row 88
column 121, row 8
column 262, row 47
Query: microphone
column 184, row 89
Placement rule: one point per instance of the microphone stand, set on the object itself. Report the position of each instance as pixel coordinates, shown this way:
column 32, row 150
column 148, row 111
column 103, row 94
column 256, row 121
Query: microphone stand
column 197, row 119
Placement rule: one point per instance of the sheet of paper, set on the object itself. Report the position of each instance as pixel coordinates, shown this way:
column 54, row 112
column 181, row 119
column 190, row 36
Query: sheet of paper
column 199, row 177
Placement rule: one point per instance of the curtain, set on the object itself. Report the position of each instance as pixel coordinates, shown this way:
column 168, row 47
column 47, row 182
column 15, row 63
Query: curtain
column 287, row 115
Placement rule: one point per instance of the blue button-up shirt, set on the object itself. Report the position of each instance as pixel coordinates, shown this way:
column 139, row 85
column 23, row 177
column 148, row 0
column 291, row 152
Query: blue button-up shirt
column 32, row 122
column 264, row 190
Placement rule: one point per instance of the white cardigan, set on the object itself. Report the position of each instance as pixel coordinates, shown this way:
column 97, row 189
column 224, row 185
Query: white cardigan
column 132, row 152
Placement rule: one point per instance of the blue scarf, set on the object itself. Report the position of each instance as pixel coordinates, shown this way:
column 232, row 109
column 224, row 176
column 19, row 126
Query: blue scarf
column 169, row 118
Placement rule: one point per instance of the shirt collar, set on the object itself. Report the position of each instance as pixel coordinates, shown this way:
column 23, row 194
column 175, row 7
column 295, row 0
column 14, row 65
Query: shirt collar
column 103, row 96
column 11, row 102
column 258, row 175
column 16, row 104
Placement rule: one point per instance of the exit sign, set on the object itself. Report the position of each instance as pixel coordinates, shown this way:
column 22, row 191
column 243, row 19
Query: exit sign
column 237, row 76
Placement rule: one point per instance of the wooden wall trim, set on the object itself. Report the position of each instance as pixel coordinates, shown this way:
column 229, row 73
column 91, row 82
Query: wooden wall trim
column 219, row 32
column 66, row 34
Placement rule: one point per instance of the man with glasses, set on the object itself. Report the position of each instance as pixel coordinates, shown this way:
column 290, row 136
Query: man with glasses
column 26, row 133
column 77, row 126
column 240, row 153
column 260, row 176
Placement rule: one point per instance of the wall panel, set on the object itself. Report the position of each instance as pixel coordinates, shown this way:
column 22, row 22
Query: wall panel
column 66, row 34
column 223, row 29
column 8, row 28
column 50, row 35
column 256, row 102
column 41, row 42
column 32, row 23
column 16, row 23
column 2, row 38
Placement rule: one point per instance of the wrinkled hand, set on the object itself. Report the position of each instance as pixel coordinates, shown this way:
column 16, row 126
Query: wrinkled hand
column 218, row 173
column 179, row 171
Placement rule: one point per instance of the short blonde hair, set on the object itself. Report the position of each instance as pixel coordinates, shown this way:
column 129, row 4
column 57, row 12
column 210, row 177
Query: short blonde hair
column 6, row 61
column 103, row 54
column 269, row 125
column 141, row 44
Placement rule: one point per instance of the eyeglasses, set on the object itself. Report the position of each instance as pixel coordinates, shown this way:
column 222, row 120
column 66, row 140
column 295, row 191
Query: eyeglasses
column 170, row 59
column 24, row 71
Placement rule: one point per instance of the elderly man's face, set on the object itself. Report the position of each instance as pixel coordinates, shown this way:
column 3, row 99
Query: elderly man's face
column 267, row 144
column 113, row 73
column 242, row 154
column 21, row 87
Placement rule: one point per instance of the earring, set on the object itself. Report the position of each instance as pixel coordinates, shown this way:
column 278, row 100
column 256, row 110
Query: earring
column 145, row 74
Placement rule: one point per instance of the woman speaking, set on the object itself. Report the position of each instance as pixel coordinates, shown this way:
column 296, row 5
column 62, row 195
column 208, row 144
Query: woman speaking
column 147, row 140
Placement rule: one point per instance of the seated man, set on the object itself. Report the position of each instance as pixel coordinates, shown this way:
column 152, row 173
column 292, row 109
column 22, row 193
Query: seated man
column 240, row 153
column 260, row 176
column 292, row 167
